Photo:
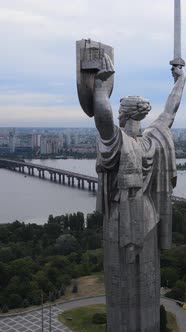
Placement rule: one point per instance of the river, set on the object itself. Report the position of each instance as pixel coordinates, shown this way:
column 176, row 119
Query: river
column 30, row 199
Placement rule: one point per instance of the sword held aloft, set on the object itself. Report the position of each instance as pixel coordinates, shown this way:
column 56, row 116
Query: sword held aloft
column 177, row 61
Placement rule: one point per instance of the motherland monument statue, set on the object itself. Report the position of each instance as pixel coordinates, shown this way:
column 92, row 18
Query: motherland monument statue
column 136, row 176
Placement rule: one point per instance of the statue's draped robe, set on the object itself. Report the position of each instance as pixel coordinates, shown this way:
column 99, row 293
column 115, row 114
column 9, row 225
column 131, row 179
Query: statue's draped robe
column 136, row 178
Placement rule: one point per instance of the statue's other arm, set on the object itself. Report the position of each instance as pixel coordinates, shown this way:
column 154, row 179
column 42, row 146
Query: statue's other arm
column 102, row 107
column 174, row 98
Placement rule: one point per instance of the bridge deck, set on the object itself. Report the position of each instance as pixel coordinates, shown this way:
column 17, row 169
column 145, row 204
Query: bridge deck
column 63, row 172
column 50, row 169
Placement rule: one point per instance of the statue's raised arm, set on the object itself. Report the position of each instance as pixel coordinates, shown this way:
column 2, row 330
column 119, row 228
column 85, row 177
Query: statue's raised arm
column 95, row 83
column 102, row 107
column 175, row 96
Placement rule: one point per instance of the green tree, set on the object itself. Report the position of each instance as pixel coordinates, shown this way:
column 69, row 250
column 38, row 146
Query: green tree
column 181, row 284
column 23, row 267
column 52, row 231
column 4, row 274
column 92, row 261
column 52, row 273
column 50, row 219
column 13, row 286
column 169, row 277
column 178, row 220
column 15, row 301
column 66, row 244
column 42, row 282
column 92, row 239
column 178, row 238
column 95, row 221
column 4, row 234
column 178, row 291
column 6, row 254
column 76, row 222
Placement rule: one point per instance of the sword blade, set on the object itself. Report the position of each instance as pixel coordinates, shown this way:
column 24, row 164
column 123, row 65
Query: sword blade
column 177, row 61
column 177, row 29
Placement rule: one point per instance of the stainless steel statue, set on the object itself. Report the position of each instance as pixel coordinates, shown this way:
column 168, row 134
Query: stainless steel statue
column 137, row 173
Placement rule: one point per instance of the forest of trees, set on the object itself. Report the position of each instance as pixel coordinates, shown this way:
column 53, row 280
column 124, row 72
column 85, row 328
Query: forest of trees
column 173, row 261
column 37, row 259
column 181, row 167
column 43, row 259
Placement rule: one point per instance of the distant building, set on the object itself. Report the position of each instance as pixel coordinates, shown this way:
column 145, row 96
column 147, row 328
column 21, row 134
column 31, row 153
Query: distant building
column 36, row 140
column 12, row 140
column 50, row 145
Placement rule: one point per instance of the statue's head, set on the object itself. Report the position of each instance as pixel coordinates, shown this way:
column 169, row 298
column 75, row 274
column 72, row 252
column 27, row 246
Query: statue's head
column 133, row 107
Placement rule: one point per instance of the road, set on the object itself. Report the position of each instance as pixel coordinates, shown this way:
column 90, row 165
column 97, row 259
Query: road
column 31, row 321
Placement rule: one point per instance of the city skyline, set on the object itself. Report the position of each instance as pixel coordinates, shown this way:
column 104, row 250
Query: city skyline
column 38, row 64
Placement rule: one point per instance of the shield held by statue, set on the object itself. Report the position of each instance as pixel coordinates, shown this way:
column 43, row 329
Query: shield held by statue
column 89, row 60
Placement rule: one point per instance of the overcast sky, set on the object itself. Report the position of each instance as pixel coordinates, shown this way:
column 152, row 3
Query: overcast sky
column 38, row 59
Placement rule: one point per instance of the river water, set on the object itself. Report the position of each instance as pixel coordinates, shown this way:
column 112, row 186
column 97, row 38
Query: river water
column 30, row 199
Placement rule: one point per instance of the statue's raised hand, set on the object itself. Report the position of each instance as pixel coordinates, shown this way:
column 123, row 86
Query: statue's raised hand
column 107, row 69
column 177, row 71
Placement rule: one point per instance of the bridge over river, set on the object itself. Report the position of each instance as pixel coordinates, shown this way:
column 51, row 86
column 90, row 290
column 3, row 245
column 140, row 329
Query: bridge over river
column 57, row 175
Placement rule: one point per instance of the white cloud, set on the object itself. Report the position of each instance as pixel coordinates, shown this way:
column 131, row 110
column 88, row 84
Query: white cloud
column 68, row 116
column 20, row 99
column 38, row 45
column 55, row 7
column 28, row 116
column 22, row 17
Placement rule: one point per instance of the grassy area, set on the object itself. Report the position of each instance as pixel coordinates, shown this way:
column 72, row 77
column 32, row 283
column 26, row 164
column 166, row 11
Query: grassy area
column 87, row 286
column 82, row 319
column 172, row 324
